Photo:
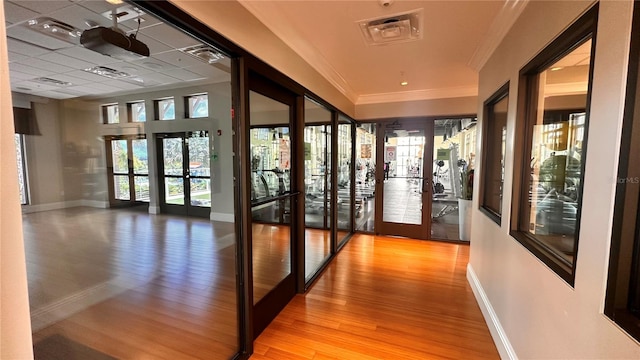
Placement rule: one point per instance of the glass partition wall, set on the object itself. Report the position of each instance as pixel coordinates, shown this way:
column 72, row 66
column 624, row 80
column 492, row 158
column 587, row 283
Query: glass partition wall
column 160, row 285
column 344, row 170
column 317, row 180
column 365, row 177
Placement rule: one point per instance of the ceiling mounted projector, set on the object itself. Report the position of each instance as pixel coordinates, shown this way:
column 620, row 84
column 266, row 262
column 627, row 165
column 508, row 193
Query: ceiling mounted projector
column 114, row 43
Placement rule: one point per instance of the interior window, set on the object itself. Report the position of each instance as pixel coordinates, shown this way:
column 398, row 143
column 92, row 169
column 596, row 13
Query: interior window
column 547, row 202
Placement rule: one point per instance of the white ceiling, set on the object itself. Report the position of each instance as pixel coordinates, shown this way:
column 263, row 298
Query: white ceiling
column 458, row 36
column 33, row 55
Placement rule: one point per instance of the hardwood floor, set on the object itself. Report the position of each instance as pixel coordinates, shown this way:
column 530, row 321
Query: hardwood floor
column 384, row 298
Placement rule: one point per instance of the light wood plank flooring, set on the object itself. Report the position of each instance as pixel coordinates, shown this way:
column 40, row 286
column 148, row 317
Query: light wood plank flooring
column 384, row 298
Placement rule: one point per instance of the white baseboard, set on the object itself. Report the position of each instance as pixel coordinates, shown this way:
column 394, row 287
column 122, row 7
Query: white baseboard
column 222, row 217
column 491, row 318
column 26, row 209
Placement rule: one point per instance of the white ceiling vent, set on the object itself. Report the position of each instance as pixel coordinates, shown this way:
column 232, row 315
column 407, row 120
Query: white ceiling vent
column 393, row 29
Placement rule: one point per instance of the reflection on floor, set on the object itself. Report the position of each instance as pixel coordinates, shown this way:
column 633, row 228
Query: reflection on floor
column 132, row 285
column 444, row 218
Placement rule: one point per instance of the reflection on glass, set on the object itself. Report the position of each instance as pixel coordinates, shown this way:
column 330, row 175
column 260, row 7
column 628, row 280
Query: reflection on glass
column 142, row 188
column 174, row 190
column 317, row 178
column 200, row 192
column 120, row 156
column 166, row 109
column 270, row 156
column 495, row 146
column 140, row 157
column 121, row 187
column 199, row 164
column 18, row 138
column 557, row 156
column 344, row 205
column 198, row 106
column 111, row 114
column 403, row 157
column 365, row 176
column 172, row 156
column 138, row 111
column 271, row 252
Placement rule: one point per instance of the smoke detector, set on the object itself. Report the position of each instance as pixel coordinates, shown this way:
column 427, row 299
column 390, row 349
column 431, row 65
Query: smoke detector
column 393, row 29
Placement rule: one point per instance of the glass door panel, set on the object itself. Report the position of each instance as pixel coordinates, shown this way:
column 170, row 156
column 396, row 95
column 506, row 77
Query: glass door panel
column 270, row 156
column 127, row 163
column 365, row 177
column 345, row 175
column 404, row 188
column 186, row 185
column 317, row 180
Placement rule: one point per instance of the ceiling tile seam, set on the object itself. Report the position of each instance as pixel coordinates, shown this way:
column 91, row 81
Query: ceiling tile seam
column 311, row 56
column 501, row 25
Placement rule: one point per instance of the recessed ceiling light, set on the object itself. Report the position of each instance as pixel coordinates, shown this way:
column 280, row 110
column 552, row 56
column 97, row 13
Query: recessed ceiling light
column 556, row 68
column 404, row 83
column 114, row 2
column 107, row 72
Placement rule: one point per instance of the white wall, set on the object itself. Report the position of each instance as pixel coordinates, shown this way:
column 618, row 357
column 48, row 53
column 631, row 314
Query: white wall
column 15, row 325
column 531, row 310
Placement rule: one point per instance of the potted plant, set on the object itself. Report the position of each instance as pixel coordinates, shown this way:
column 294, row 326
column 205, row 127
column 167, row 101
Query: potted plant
column 465, row 200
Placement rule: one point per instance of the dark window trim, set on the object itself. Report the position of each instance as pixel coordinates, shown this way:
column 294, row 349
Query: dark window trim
column 575, row 35
column 488, row 116
column 623, row 283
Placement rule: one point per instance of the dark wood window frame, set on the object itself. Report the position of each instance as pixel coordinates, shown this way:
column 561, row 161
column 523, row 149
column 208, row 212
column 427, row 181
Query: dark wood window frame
column 622, row 302
column 492, row 151
column 578, row 33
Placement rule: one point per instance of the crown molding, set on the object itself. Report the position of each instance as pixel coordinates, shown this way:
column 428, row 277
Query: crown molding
column 263, row 11
column 417, row 95
column 501, row 25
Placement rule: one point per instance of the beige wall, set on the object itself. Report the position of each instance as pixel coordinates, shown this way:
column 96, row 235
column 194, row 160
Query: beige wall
column 532, row 312
column 15, row 324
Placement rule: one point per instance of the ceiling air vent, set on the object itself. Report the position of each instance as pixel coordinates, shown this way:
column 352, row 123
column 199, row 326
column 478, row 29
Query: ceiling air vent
column 50, row 81
column 394, row 29
column 203, row 53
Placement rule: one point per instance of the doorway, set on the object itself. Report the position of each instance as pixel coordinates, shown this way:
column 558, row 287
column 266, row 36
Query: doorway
column 127, row 169
column 185, row 173
column 403, row 193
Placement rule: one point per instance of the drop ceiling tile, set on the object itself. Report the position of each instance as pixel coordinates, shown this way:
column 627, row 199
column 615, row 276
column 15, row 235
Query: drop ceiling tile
column 97, row 7
column 104, row 88
column 147, row 21
column 204, row 70
column 44, row 7
column 37, row 38
column 170, row 36
column 179, row 59
column 34, row 72
column 23, row 48
column 130, row 68
column 61, row 59
column 34, row 86
column 78, row 17
column 155, row 47
column 18, row 75
column 123, row 85
column 160, row 78
column 16, row 57
column 46, row 65
column 185, row 75
column 74, row 80
column 154, row 64
column 81, row 53
column 93, row 78
column 55, row 95
column 15, row 13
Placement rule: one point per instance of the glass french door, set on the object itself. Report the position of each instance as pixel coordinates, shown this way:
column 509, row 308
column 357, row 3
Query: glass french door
column 184, row 173
column 273, row 195
column 128, row 170
column 403, row 181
